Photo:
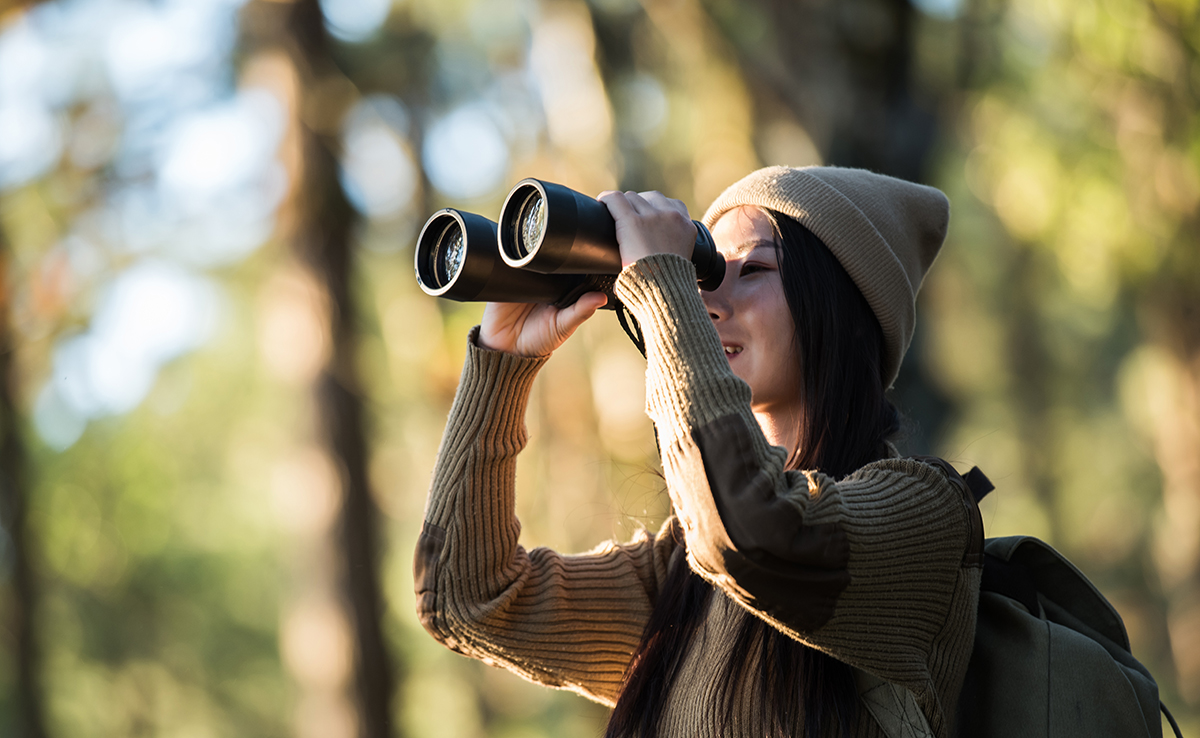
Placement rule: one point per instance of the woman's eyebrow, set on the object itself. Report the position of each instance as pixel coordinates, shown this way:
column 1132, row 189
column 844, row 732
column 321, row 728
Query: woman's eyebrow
column 744, row 248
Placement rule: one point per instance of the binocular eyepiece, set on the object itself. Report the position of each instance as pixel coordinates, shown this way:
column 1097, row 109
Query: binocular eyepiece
column 552, row 245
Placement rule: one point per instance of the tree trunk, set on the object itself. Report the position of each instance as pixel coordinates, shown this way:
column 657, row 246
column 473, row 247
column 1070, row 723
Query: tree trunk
column 323, row 239
column 320, row 229
column 1176, row 327
column 21, row 628
column 1171, row 302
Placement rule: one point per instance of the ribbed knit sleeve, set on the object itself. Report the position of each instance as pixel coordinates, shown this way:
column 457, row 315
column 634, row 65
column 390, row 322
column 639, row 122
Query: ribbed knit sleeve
column 874, row 569
column 564, row 621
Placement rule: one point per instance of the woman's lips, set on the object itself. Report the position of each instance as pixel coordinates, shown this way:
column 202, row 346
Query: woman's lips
column 732, row 351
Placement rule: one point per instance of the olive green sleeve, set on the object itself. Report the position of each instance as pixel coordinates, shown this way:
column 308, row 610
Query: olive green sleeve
column 873, row 568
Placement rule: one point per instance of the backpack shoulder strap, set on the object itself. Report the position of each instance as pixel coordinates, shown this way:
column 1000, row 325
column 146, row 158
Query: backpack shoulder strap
column 975, row 481
column 978, row 483
column 1171, row 720
column 894, row 708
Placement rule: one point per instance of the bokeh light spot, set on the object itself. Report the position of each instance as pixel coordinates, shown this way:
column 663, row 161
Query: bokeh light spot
column 378, row 173
column 30, row 142
column 354, row 20
column 56, row 421
column 221, row 148
column 465, row 154
column 944, row 9
column 151, row 313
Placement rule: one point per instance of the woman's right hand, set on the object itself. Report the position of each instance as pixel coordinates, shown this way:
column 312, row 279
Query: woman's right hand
column 528, row 329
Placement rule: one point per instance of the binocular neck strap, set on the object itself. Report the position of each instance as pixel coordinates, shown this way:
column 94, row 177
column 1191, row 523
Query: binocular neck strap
column 625, row 318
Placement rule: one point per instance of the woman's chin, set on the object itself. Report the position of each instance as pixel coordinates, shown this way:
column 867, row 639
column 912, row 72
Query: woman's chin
column 741, row 371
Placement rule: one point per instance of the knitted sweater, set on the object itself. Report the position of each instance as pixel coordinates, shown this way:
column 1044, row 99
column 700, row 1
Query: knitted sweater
column 880, row 569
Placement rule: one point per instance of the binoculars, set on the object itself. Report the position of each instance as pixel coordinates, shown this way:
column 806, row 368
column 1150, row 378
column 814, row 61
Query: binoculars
column 552, row 245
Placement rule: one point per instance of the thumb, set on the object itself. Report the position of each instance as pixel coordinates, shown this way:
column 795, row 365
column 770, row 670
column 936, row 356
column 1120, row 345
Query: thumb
column 573, row 316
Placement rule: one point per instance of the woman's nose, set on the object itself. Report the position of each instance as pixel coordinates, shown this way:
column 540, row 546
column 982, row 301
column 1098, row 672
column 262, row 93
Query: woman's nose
column 717, row 301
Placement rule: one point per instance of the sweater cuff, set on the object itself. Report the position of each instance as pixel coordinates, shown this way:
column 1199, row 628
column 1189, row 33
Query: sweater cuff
column 497, row 380
column 688, row 379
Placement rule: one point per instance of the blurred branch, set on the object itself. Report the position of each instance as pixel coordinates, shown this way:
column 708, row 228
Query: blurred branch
column 21, row 624
column 1182, row 31
column 978, row 53
column 1032, row 371
column 844, row 71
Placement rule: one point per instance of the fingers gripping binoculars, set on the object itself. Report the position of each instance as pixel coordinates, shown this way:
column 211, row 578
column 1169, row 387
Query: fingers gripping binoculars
column 552, row 245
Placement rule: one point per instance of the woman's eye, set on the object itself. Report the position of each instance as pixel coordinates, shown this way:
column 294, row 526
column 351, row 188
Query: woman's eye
column 752, row 268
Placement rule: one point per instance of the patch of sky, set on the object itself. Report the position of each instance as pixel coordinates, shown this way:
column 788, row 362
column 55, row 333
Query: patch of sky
column 519, row 113
column 24, row 58
column 194, row 184
column 31, row 140
column 31, row 131
column 642, row 106
column 150, row 314
column 224, row 147
column 150, row 47
column 462, row 71
column 945, row 9
column 377, row 172
column 56, row 422
column 144, row 224
column 141, row 141
column 220, row 180
column 465, row 153
column 217, row 185
column 159, row 59
column 233, row 229
column 354, row 21
column 73, row 33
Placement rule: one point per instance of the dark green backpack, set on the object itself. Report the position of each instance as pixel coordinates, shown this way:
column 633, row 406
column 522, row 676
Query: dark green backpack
column 1051, row 658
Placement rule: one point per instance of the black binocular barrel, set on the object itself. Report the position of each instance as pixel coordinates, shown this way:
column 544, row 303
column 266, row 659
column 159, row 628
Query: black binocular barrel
column 457, row 257
column 549, row 228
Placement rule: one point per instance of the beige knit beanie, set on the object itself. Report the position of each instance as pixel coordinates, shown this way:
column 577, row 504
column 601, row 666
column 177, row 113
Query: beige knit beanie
column 885, row 232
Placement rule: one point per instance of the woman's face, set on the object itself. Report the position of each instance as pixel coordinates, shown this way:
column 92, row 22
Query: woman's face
column 751, row 313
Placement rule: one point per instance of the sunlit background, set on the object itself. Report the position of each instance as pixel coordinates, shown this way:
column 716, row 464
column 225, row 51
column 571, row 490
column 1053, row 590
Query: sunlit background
column 214, row 349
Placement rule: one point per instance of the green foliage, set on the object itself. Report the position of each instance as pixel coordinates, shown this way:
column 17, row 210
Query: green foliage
column 161, row 564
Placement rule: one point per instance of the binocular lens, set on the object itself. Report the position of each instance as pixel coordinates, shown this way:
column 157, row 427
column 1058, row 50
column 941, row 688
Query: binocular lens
column 531, row 223
column 446, row 256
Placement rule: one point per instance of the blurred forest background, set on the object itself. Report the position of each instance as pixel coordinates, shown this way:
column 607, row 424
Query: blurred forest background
column 222, row 390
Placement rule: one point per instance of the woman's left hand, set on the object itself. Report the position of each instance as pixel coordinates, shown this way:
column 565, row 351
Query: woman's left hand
column 650, row 223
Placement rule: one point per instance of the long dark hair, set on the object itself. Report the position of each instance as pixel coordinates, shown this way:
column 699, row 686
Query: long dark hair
column 846, row 423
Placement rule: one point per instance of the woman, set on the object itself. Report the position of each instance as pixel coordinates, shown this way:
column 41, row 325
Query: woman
column 807, row 584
